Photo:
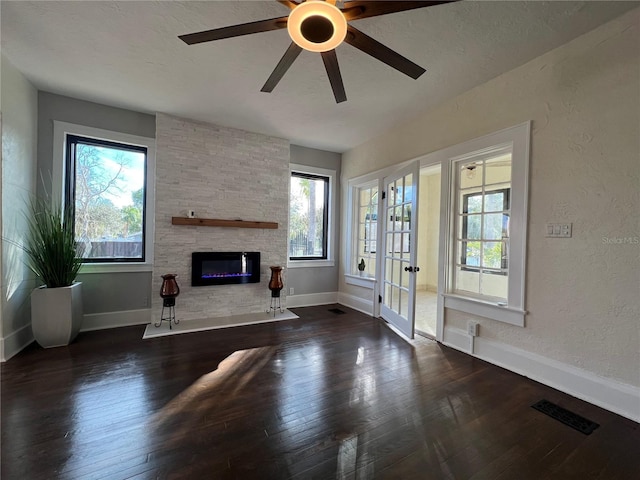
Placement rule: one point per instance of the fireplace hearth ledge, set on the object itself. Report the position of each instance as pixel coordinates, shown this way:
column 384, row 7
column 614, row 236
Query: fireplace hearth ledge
column 203, row 324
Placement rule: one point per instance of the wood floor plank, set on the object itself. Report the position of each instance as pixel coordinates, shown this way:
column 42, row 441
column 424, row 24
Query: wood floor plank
column 323, row 396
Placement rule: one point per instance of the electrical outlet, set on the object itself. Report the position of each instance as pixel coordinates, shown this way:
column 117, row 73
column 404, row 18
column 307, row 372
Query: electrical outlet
column 472, row 328
column 291, row 291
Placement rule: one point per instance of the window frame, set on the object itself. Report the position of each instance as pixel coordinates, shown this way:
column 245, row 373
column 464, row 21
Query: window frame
column 464, row 239
column 70, row 187
column 59, row 173
column 355, row 228
column 325, row 216
column 361, row 234
column 328, row 240
column 373, row 179
column 517, row 139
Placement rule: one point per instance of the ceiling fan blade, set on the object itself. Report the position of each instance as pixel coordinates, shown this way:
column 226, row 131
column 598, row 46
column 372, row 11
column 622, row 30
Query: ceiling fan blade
column 289, row 3
column 234, row 30
column 370, row 8
column 283, row 65
column 333, row 71
column 383, row 53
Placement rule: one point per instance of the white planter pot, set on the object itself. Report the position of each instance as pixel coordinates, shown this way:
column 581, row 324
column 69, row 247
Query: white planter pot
column 56, row 314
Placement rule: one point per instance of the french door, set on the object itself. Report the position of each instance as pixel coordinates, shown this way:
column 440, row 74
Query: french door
column 400, row 206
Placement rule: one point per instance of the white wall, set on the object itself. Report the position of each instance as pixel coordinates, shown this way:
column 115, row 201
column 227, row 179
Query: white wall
column 19, row 104
column 584, row 101
column 221, row 173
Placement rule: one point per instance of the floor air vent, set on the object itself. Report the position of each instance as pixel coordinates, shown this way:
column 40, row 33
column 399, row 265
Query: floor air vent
column 565, row 416
column 337, row 311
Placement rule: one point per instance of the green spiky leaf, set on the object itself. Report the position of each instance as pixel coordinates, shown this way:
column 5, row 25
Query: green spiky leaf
column 51, row 247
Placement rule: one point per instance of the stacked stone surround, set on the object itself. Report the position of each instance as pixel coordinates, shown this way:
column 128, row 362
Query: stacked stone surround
column 221, row 173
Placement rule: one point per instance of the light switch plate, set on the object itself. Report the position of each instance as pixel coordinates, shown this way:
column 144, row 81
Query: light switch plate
column 559, row 230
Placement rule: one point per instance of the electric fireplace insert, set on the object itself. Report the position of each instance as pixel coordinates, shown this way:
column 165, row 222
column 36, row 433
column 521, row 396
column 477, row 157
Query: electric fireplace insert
column 223, row 268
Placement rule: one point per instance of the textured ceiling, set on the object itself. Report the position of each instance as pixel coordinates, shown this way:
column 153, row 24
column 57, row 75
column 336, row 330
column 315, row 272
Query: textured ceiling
column 127, row 54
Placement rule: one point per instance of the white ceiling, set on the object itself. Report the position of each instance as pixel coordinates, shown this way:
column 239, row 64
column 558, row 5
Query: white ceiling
column 127, row 54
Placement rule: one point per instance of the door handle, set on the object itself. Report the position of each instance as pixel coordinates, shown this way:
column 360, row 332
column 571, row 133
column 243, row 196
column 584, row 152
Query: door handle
column 417, row 269
column 408, row 269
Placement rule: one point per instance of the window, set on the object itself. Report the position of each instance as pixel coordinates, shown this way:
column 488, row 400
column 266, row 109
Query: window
column 103, row 178
column 485, row 254
column 310, row 205
column 362, row 230
column 367, row 232
column 482, row 241
column 105, row 188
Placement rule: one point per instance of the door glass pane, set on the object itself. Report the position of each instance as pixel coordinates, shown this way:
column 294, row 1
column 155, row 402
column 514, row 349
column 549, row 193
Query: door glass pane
column 396, row 272
column 389, row 270
column 404, row 282
column 397, row 225
column 406, row 217
column 404, row 303
column 396, row 299
column 388, row 297
column 408, row 188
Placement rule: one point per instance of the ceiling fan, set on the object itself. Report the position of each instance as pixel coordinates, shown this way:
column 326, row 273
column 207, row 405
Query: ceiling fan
column 320, row 26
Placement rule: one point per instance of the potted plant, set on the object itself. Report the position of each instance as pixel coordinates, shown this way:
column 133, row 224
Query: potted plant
column 52, row 254
column 361, row 266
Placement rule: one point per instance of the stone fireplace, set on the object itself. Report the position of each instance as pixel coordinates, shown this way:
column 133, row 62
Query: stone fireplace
column 219, row 173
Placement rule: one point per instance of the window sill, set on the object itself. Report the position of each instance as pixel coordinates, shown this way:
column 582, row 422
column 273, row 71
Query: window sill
column 310, row 263
column 115, row 267
column 485, row 309
column 365, row 282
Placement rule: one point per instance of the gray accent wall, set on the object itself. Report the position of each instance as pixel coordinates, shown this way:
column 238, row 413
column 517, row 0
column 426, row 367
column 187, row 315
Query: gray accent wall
column 102, row 292
column 318, row 279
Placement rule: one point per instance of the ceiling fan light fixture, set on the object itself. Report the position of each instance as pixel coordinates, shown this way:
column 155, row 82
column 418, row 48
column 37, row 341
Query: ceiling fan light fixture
column 317, row 26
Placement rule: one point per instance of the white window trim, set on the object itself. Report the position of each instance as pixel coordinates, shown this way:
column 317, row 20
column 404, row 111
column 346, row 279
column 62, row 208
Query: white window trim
column 355, row 184
column 60, row 131
column 330, row 260
column 518, row 137
column 364, row 282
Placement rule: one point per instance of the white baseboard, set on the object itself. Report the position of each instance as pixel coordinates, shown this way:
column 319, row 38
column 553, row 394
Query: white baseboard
column 459, row 339
column 311, row 299
column 611, row 395
column 357, row 303
column 14, row 342
column 126, row 318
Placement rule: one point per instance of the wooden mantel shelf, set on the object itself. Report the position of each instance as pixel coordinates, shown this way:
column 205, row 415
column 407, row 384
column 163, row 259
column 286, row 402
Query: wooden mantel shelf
column 212, row 222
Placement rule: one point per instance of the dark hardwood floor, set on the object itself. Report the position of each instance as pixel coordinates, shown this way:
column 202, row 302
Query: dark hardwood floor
column 322, row 397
